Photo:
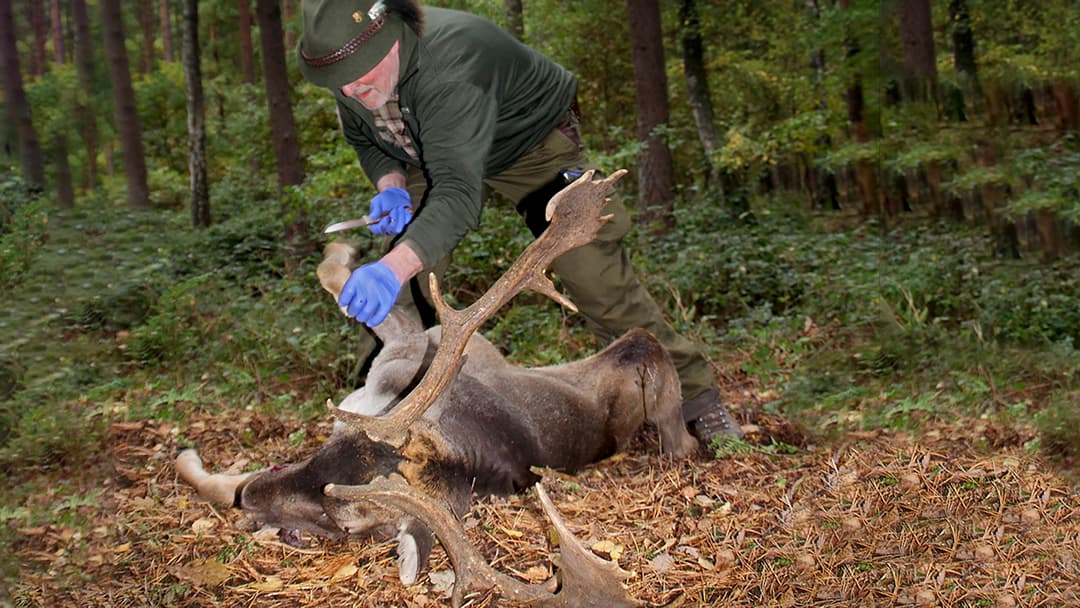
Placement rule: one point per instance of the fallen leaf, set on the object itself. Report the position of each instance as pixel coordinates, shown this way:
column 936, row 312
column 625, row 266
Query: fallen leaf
column 271, row 584
column 203, row 525
column 441, row 581
column 662, row 563
column 202, row 572
column 344, row 572
column 123, row 548
column 606, row 547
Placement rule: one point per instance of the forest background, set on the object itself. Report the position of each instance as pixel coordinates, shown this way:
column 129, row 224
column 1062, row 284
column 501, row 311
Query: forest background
column 868, row 214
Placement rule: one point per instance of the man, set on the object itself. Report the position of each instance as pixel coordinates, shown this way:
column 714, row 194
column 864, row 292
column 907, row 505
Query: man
column 442, row 107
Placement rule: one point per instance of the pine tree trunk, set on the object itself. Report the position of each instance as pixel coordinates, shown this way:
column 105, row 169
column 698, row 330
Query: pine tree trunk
column 865, row 172
column 84, row 67
column 282, row 125
column 515, row 19
column 146, row 20
column 247, row 53
column 37, row 23
column 697, row 85
column 166, row 29
column 18, row 109
column 917, row 37
column 655, row 172
column 288, row 8
column 200, row 193
column 65, row 193
column 127, row 117
column 57, row 33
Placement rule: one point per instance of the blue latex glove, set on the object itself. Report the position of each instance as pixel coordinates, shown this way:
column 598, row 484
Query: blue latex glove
column 391, row 211
column 369, row 293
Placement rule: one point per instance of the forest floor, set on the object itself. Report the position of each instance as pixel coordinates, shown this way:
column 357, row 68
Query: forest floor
column 878, row 518
column 957, row 512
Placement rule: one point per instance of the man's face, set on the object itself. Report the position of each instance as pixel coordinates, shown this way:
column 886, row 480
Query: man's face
column 374, row 88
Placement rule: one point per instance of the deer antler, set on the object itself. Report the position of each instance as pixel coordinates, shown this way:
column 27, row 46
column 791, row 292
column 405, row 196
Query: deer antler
column 575, row 218
column 585, row 580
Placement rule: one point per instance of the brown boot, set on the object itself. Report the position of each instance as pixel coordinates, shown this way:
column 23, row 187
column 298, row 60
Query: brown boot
column 707, row 418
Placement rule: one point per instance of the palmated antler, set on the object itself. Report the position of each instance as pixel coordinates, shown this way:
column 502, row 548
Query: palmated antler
column 575, row 218
column 585, row 579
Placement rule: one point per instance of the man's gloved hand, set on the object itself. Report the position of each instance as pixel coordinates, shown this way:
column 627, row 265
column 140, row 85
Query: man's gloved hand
column 369, row 293
column 390, row 211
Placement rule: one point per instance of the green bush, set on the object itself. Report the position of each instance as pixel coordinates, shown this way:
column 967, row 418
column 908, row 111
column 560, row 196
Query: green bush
column 23, row 228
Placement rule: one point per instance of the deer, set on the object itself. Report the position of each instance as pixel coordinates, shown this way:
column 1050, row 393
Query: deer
column 443, row 415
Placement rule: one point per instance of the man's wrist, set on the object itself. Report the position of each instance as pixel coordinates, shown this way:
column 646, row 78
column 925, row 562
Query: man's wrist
column 403, row 262
column 391, row 180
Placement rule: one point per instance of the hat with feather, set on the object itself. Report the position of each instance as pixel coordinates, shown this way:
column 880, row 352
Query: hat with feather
column 344, row 39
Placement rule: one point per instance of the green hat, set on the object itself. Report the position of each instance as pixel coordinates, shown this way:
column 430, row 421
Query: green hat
column 344, row 39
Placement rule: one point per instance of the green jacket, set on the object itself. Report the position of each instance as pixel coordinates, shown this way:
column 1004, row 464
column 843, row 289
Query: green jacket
column 474, row 100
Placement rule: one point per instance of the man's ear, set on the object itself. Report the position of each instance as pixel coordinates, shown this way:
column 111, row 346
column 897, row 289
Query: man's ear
column 415, row 541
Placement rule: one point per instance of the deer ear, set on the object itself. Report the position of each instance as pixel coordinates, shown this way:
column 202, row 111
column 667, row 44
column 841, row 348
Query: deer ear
column 415, row 541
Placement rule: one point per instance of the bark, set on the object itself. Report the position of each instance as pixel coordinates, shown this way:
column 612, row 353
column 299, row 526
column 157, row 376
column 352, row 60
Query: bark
column 515, row 19
column 917, row 38
column 865, row 172
column 247, row 54
column 824, row 189
column 287, row 8
column 1003, row 233
column 282, row 125
column 1068, row 108
column 200, row 193
column 84, row 67
column 166, row 29
column 37, row 24
column 963, row 41
column 65, row 192
column 146, row 21
column 697, row 85
column 127, row 117
column 18, row 108
column 655, row 172
column 57, row 32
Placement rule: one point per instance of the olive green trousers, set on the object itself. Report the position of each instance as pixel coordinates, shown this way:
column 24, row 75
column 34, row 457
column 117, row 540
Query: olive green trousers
column 598, row 277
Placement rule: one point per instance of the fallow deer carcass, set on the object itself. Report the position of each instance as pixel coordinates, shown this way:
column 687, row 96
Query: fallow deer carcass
column 443, row 414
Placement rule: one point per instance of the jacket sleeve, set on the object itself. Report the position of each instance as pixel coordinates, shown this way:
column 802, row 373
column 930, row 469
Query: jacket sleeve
column 374, row 161
column 457, row 126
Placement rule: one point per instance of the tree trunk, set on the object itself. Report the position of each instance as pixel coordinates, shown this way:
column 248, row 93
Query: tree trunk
column 146, row 24
column 655, row 172
column 247, row 54
column 18, row 109
column 286, row 146
column 288, row 8
column 166, row 29
column 917, row 37
column 37, row 23
column 84, row 67
column 1003, row 233
column 57, row 33
column 1068, row 109
column 865, row 172
column 200, row 193
column 127, row 117
column 963, row 41
column 515, row 19
column 697, row 85
column 65, row 193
